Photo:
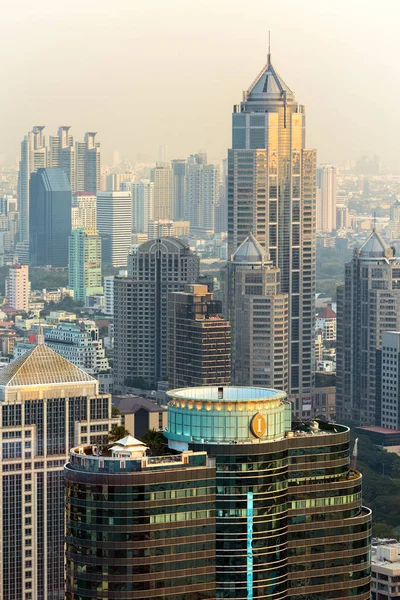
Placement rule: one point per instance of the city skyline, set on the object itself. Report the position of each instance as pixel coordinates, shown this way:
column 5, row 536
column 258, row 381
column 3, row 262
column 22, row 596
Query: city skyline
column 346, row 95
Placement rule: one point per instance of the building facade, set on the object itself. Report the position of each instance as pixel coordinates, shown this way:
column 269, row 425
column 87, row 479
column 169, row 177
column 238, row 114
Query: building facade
column 326, row 198
column 271, row 193
column 388, row 381
column 18, row 287
column 199, row 339
column 155, row 269
column 259, row 317
column 162, row 177
column 84, row 211
column 84, row 263
column 47, row 406
column 114, row 224
column 385, row 565
column 142, row 205
column 50, row 217
column 157, row 516
column 179, row 168
column 368, row 303
column 290, row 520
column 202, row 195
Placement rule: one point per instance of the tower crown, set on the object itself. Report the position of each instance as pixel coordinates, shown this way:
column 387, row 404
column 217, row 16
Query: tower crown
column 268, row 85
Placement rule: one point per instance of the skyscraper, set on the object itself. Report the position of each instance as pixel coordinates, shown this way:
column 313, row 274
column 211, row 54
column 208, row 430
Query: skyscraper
column 368, row 303
column 155, row 269
column 47, row 406
column 162, row 177
column 394, row 223
column 62, row 153
column 18, row 287
column 50, row 217
column 271, row 193
column 84, row 263
column 388, row 381
column 142, row 205
column 326, row 198
column 92, row 164
column 179, row 167
column 84, row 210
column 290, row 520
column 199, row 339
column 259, row 317
column 114, row 224
column 158, row 538
column 202, row 193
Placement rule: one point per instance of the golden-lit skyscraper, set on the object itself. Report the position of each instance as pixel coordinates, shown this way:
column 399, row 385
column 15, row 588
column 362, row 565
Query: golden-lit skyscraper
column 271, row 193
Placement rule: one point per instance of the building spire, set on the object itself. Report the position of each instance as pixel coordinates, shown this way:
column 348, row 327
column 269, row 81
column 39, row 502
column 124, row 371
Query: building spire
column 40, row 336
column 269, row 48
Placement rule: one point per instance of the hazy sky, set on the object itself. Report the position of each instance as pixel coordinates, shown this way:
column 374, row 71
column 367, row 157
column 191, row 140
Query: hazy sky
column 148, row 72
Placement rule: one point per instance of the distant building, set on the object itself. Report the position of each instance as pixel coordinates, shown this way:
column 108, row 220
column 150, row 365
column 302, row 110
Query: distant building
column 167, row 228
column 84, row 211
column 179, row 168
column 142, row 205
column 114, row 224
column 388, row 381
column 394, row 223
column 18, row 287
column 199, row 339
column 84, row 263
column 108, row 286
column 385, row 567
column 326, row 198
column 202, row 195
column 342, row 217
column 368, row 303
column 162, row 177
column 138, row 414
column 50, row 218
column 326, row 323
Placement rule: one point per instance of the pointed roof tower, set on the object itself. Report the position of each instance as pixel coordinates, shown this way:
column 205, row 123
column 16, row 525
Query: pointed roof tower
column 375, row 247
column 250, row 251
column 269, row 85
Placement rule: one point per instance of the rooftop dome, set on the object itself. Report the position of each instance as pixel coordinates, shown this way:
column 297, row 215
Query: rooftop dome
column 375, row 247
column 250, row 251
column 269, row 85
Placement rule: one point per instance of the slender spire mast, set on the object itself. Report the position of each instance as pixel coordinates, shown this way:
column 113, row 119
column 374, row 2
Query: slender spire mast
column 269, row 48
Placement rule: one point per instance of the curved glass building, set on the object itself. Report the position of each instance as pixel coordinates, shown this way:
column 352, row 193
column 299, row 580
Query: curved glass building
column 290, row 521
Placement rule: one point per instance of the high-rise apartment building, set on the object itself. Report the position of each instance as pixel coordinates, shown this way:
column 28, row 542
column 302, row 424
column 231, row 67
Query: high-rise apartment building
column 84, row 210
column 271, row 193
column 368, row 303
column 62, row 153
column 202, row 194
column 84, row 263
column 158, row 516
column 290, row 521
column 50, row 217
column 259, row 317
column 114, row 224
column 342, row 216
column 142, row 205
column 162, row 177
column 179, row 167
column 199, row 339
column 326, row 198
column 47, row 406
column 108, row 286
column 394, row 223
column 92, row 164
column 388, row 381
column 18, row 287
column 155, row 269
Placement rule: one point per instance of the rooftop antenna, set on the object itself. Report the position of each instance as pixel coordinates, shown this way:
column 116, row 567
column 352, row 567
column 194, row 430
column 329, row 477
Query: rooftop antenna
column 374, row 222
column 40, row 336
column 269, row 47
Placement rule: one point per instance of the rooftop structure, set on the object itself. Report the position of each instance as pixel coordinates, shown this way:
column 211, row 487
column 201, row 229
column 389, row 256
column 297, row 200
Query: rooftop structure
column 385, row 563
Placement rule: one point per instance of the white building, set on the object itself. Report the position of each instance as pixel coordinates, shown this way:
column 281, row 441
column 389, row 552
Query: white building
column 202, row 195
column 114, row 224
column 326, row 323
column 166, row 228
column 142, row 205
column 385, row 567
column 162, row 176
column 326, row 198
column 108, row 286
column 83, row 211
column 18, row 287
column 389, row 401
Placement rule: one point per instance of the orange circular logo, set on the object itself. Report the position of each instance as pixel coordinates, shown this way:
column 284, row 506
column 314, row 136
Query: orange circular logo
column 258, row 425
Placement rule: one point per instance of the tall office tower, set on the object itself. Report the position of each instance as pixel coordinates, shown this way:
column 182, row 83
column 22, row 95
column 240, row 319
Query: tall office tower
column 388, row 381
column 84, row 263
column 33, row 157
column 259, row 317
column 80, row 167
column 326, row 198
column 394, row 223
column 162, row 177
column 221, row 207
column 288, row 502
column 92, row 164
column 47, row 406
column 199, row 339
column 62, row 153
column 142, row 205
column 342, row 216
column 159, row 537
column 18, row 287
column 114, row 224
column 155, row 269
column 50, row 218
column 202, row 193
column 84, row 210
column 368, row 303
column 179, row 188
column 271, row 193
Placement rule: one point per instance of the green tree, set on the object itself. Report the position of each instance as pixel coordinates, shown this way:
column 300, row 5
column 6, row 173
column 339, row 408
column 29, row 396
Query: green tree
column 156, row 441
column 117, row 433
column 383, row 530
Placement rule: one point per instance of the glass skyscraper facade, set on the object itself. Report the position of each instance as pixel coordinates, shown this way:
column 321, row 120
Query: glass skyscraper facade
column 271, row 193
column 289, row 517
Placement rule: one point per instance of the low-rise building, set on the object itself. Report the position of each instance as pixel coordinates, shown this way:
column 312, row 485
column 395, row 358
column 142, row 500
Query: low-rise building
column 138, row 414
column 385, row 567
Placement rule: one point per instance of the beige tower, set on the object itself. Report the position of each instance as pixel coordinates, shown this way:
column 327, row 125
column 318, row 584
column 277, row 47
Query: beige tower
column 259, row 318
column 162, row 176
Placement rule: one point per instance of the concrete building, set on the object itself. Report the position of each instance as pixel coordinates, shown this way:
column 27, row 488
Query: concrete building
column 167, row 228
column 293, row 518
column 326, row 198
column 142, row 205
column 394, row 223
column 388, row 381
column 47, row 406
column 114, row 224
column 84, row 211
column 18, row 287
column 385, row 567
column 84, row 263
column 199, row 339
column 162, row 177
column 50, row 217
column 368, row 303
column 202, row 195
column 155, row 269
column 138, row 414
column 159, row 540
column 326, row 323
column 258, row 313
column 277, row 205
column 108, row 286
column 342, row 217
column 179, row 168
